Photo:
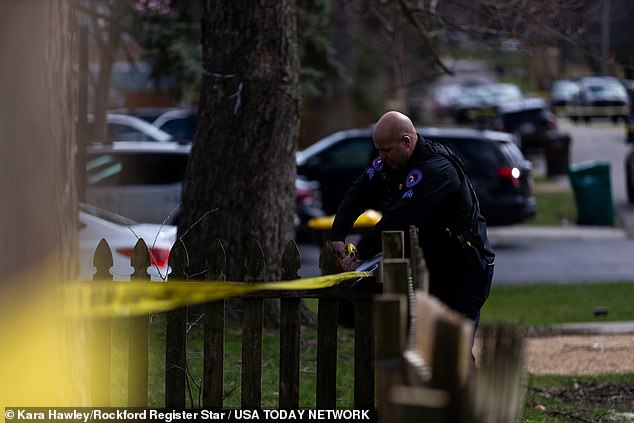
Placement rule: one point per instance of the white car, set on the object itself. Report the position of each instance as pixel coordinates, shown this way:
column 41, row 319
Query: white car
column 180, row 123
column 140, row 180
column 122, row 235
column 121, row 127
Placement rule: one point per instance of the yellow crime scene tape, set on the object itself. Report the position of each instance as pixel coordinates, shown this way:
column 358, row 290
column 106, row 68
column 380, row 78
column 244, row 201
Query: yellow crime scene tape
column 108, row 298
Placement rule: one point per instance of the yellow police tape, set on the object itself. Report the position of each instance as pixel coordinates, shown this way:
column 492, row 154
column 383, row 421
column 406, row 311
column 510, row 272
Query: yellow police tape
column 107, row 298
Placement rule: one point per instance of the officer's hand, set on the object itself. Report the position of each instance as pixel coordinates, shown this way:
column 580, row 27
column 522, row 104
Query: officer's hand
column 349, row 264
column 340, row 248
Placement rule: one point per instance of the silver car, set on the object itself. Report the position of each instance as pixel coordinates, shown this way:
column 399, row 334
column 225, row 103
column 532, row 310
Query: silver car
column 138, row 179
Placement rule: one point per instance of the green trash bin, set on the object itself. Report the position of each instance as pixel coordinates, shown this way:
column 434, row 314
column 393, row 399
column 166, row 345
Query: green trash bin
column 593, row 192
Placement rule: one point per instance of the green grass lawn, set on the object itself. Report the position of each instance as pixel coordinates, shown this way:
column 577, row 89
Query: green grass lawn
column 545, row 304
column 554, row 208
column 561, row 399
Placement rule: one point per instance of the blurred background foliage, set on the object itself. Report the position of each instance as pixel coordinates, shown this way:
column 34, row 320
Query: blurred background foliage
column 361, row 57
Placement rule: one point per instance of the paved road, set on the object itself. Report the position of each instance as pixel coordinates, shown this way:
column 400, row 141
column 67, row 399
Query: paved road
column 567, row 254
column 562, row 255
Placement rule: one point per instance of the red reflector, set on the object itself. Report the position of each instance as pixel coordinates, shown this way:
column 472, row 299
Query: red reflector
column 158, row 256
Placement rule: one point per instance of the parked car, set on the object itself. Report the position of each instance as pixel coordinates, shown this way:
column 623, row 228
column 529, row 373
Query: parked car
column 180, row 123
column 474, row 104
column 601, row 96
column 562, row 95
column 444, row 100
column 478, row 103
column 142, row 180
column 122, row 235
column 504, row 92
column 532, row 122
column 146, row 113
column 122, row 127
column 500, row 174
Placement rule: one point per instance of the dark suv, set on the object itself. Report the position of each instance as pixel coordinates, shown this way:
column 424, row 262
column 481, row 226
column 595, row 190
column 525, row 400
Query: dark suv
column 533, row 123
column 497, row 168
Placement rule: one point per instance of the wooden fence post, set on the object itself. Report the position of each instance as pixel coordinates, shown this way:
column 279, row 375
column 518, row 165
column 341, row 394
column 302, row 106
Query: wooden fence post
column 139, row 335
column 214, row 332
column 252, row 330
column 101, row 348
column 327, row 318
column 390, row 317
column 498, row 388
column 176, row 335
column 451, row 362
column 289, row 333
column 364, row 354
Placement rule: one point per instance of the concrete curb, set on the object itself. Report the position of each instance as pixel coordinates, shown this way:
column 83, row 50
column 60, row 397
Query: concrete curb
column 595, row 328
column 505, row 233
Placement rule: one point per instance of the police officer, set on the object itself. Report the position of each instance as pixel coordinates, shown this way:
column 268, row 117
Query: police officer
column 417, row 182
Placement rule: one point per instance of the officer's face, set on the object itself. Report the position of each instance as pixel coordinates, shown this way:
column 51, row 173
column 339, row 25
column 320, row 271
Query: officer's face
column 394, row 153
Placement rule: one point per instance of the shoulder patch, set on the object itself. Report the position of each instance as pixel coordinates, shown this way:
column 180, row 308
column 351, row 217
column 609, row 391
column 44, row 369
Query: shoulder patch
column 377, row 164
column 413, row 178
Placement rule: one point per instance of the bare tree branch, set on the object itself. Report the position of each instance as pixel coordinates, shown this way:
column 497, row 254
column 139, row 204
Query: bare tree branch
column 423, row 32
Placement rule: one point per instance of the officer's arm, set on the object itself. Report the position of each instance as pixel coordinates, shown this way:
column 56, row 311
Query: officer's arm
column 413, row 208
column 354, row 203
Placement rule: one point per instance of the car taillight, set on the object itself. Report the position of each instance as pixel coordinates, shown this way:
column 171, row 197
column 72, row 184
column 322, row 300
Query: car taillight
column 305, row 196
column 510, row 174
column 158, row 256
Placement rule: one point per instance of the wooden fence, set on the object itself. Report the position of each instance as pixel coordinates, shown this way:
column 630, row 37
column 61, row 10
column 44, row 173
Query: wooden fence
column 424, row 361
column 417, row 349
column 361, row 294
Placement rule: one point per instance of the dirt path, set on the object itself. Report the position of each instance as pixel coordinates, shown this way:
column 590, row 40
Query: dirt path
column 580, row 355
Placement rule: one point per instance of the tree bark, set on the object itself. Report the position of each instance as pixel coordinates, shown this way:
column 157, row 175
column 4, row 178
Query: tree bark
column 38, row 216
column 242, row 164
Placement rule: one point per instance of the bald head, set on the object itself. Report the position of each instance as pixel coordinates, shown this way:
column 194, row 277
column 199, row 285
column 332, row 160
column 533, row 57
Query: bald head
column 394, row 125
column 394, row 135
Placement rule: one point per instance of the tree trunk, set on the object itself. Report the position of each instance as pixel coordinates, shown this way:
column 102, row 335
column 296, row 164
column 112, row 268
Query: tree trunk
column 38, row 216
column 108, row 40
column 242, row 164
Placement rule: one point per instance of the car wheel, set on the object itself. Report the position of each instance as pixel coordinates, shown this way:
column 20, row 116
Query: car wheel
column 615, row 119
column 586, row 120
column 629, row 176
column 574, row 119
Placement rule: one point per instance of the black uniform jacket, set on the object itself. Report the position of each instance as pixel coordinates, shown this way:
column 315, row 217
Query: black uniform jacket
column 432, row 192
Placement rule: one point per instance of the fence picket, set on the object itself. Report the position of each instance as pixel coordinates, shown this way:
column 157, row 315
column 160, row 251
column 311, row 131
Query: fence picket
column 139, row 336
column 214, row 333
column 176, row 335
column 363, row 353
column 327, row 318
column 289, row 333
column 252, row 330
column 101, row 348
